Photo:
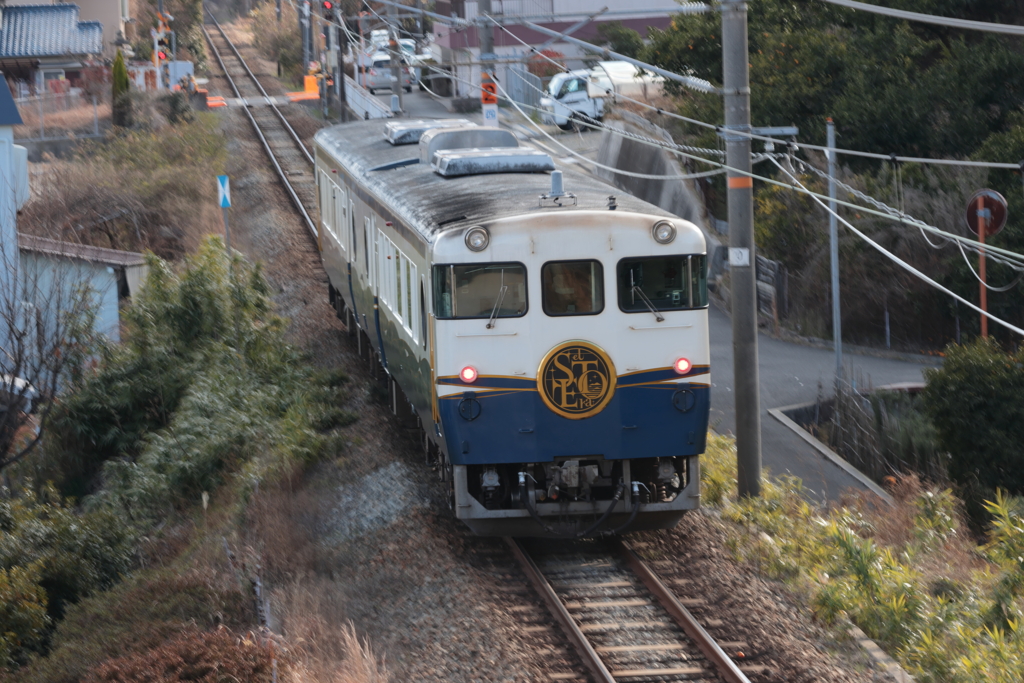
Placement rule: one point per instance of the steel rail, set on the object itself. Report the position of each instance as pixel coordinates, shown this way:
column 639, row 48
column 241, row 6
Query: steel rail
column 266, row 145
column 583, row 647
column 241, row 60
column 726, row 667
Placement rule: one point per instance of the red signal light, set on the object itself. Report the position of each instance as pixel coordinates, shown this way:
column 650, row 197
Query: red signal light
column 468, row 374
column 682, row 366
column 328, row 5
column 162, row 56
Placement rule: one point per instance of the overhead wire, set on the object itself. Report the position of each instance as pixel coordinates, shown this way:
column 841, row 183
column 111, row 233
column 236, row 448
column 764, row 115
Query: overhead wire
column 1011, row 258
column 898, row 261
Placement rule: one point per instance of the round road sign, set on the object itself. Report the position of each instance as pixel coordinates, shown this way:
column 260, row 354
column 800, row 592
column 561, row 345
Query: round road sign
column 993, row 212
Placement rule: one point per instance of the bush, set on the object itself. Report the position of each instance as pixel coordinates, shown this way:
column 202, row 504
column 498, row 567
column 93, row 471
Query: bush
column 52, row 557
column 203, row 387
column 210, row 657
column 976, row 401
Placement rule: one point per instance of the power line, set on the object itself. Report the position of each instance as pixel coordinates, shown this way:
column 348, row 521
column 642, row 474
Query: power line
column 986, row 26
column 898, row 261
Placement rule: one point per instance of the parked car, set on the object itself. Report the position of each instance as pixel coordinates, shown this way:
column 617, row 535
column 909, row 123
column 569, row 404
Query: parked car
column 378, row 74
column 582, row 93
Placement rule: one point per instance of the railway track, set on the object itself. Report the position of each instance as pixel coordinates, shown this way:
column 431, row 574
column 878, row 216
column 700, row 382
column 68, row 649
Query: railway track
column 290, row 158
column 623, row 621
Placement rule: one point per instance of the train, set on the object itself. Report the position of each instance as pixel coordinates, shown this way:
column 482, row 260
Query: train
column 547, row 334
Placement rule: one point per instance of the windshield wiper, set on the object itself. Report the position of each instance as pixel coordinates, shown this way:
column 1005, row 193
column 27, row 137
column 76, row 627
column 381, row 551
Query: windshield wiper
column 497, row 304
column 643, row 297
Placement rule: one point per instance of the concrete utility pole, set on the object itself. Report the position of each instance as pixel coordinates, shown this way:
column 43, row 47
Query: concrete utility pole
column 396, row 58
column 339, row 67
column 304, row 28
column 742, row 263
column 833, row 236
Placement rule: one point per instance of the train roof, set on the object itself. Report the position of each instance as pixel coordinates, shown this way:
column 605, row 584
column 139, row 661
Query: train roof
column 431, row 204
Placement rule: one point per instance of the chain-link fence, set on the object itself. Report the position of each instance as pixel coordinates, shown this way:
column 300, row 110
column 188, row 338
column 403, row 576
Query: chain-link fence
column 58, row 116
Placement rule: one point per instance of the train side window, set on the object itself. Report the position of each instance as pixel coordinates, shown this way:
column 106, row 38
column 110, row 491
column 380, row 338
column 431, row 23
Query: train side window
column 479, row 290
column 352, row 222
column 664, row 283
column 423, row 317
column 572, row 287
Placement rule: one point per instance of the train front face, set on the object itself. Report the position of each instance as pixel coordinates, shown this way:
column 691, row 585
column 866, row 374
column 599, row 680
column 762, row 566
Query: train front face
column 572, row 371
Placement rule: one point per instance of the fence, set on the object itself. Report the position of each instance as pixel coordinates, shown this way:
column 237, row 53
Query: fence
column 365, row 105
column 60, row 116
column 523, row 87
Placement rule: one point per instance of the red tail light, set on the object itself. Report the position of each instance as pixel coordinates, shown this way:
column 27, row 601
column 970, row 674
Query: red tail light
column 468, row 374
column 682, row 366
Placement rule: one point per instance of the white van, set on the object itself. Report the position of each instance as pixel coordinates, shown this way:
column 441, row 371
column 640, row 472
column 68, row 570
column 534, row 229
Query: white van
column 581, row 94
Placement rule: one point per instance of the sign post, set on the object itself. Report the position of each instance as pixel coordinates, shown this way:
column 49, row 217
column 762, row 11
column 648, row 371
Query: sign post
column 986, row 216
column 489, row 100
column 224, row 199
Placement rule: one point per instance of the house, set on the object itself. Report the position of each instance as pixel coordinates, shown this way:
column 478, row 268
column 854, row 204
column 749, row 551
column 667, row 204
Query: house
column 462, row 45
column 47, row 46
column 111, row 14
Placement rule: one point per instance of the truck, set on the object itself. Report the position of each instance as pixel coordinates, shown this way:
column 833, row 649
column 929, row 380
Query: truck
column 581, row 94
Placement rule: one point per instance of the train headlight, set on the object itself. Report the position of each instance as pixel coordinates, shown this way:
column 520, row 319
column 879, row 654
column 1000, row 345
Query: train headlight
column 468, row 374
column 682, row 366
column 663, row 232
column 477, row 239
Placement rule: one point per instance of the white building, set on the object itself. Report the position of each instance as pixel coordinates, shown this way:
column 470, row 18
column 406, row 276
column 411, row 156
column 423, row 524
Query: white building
column 454, row 45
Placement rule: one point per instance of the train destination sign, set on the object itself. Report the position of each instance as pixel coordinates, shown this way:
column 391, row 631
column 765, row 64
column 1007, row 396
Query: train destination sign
column 576, row 380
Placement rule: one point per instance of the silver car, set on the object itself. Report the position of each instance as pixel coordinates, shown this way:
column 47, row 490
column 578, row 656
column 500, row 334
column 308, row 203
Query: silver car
column 378, row 74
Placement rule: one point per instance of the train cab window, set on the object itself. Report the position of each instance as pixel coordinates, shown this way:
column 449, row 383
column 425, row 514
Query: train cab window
column 572, row 287
column 480, row 290
column 662, row 283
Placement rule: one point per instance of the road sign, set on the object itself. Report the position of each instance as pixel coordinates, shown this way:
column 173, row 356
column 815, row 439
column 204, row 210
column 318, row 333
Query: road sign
column 491, row 115
column 992, row 211
column 223, row 191
column 488, row 93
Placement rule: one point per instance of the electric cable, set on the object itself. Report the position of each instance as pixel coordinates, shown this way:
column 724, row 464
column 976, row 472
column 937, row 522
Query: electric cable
column 898, row 261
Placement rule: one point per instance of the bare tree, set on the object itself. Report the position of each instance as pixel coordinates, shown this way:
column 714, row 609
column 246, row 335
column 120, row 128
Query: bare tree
column 47, row 314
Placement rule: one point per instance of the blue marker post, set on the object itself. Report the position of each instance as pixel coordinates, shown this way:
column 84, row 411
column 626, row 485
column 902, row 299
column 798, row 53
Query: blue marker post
column 224, row 198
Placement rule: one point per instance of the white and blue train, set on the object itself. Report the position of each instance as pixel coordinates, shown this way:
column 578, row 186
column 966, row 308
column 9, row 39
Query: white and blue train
column 550, row 338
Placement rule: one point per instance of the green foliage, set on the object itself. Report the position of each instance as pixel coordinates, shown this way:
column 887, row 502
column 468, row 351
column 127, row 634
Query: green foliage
column 974, row 400
column 22, row 612
column 135, row 616
column 51, row 557
column 619, row 38
column 203, row 388
column 122, row 108
column 941, row 630
column 276, row 40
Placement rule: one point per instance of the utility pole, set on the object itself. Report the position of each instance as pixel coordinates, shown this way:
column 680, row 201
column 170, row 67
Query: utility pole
column 742, row 262
column 485, row 29
column 396, row 58
column 341, row 45
column 833, row 237
column 304, row 27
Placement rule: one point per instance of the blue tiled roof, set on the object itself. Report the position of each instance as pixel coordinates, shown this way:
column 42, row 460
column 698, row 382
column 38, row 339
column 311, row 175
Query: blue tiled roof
column 47, row 31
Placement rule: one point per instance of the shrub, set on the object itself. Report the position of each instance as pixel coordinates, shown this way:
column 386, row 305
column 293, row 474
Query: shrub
column 22, row 612
column 976, row 401
column 202, row 388
column 122, row 111
column 210, row 657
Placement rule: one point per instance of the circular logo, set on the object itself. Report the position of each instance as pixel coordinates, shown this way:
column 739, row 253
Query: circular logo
column 576, row 380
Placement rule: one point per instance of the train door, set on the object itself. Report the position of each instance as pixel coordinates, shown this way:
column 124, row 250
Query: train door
column 339, row 220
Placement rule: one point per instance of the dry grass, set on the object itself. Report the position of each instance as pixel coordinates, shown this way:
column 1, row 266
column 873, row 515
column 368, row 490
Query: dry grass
column 325, row 648
column 75, row 121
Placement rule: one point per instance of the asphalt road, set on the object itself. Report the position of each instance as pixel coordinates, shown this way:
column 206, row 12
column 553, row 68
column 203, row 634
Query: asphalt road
column 792, row 373
column 418, row 105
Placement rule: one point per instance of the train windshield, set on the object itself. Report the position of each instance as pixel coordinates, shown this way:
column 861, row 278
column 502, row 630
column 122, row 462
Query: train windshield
column 480, row 290
column 573, row 287
column 662, row 282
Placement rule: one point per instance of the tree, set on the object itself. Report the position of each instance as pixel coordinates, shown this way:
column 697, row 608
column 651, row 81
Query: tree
column 122, row 103
column 619, row 38
column 46, row 320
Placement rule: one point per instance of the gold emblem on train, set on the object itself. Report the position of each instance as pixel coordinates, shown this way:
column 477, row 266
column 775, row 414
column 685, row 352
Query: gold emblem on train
column 576, row 380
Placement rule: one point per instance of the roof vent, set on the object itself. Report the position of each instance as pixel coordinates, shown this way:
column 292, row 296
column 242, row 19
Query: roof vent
column 463, row 138
column 457, row 162
column 409, row 132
